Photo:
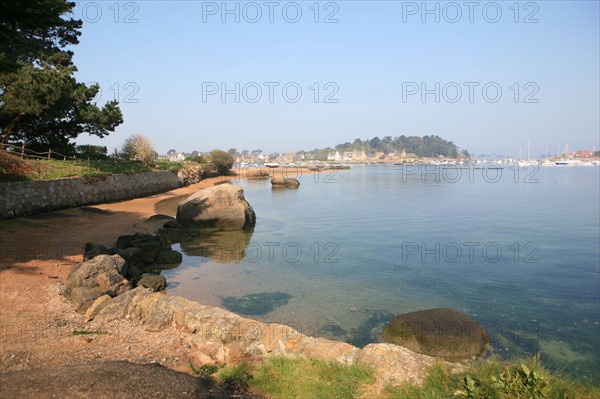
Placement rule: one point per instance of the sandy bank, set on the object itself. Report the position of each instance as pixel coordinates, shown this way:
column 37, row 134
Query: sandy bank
column 37, row 323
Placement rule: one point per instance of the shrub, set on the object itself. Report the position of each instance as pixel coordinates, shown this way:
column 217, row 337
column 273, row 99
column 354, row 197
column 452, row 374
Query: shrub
column 222, row 160
column 139, row 148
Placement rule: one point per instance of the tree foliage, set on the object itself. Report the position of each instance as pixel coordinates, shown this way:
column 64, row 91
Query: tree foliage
column 31, row 30
column 222, row 160
column 138, row 148
column 426, row 146
column 41, row 103
column 46, row 108
column 92, row 151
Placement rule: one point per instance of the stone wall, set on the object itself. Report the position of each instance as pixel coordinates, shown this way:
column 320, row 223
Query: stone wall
column 29, row 197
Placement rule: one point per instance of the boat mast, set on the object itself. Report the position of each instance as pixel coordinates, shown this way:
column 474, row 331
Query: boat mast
column 520, row 153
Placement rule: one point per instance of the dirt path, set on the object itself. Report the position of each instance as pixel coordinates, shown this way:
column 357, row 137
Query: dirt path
column 112, row 380
column 37, row 323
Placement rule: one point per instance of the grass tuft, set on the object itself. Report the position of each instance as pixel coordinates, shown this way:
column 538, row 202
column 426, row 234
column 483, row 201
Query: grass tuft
column 280, row 377
column 83, row 332
column 236, row 375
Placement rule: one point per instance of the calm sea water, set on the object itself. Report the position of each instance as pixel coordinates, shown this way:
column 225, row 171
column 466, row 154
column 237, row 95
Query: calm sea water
column 515, row 249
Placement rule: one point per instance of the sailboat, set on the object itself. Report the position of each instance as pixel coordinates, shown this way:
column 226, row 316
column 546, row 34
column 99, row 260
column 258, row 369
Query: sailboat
column 546, row 161
column 523, row 163
column 565, row 161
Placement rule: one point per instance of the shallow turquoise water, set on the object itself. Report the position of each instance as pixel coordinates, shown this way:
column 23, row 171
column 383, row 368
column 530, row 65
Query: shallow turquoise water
column 349, row 250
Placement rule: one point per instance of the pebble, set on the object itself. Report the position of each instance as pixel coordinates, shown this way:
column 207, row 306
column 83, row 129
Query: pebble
column 82, row 340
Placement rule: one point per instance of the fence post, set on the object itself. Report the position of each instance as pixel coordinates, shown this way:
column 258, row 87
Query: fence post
column 22, row 150
column 49, row 152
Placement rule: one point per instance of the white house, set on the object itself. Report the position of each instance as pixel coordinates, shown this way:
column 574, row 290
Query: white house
column 175, row 157
column 334, row 156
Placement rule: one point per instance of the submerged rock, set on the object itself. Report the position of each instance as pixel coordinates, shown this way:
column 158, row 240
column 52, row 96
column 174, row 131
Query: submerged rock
column 173, row 232
column 256, row 304
column 169, row 256
column 443, row 332
column 222, row 207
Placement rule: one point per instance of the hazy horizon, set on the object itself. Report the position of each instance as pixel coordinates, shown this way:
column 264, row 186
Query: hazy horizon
column 490, row 77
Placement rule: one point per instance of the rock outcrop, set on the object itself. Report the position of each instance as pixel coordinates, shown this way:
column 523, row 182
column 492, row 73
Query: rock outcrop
column 146, row 252
column 222, row 207
column 220, row 337
column 139, row 258
column 92, row 250
column 287, row 182
column 443, row 332
column 194, row 174
column 155, row 282
column 99, row 304
column 396, row 365
column 93, row 278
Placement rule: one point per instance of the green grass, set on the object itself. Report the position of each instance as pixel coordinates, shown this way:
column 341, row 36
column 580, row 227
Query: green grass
column 238, row 374
column 280, row 377
column 283, row 378
column 90, row 171
column 84, row 332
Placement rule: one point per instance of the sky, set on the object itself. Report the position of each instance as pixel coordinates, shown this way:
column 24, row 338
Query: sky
column 283, row 76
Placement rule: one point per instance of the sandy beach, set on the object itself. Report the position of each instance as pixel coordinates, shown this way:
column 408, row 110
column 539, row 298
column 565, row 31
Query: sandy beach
column 37, row 323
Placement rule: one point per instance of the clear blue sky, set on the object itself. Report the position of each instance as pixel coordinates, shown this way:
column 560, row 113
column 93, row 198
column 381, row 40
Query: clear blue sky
column 375, row 56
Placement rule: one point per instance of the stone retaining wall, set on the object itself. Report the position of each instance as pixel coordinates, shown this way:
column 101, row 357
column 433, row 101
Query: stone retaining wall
column 29, row 197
